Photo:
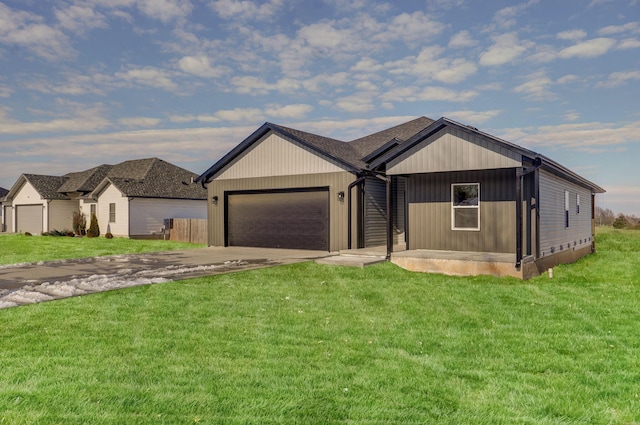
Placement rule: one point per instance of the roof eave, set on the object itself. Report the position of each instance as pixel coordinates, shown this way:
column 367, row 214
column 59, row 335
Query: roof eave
column 254, row 137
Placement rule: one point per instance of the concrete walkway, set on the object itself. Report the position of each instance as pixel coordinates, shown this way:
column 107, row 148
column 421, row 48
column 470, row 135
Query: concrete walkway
column 29, row 283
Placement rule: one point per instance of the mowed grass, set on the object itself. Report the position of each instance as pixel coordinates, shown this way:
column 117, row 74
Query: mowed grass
column 28, row 249
column 312, row 344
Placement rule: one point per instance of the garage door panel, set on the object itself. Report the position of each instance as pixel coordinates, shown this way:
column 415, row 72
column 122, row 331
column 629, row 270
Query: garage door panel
column 29, row 218
column 297, row 220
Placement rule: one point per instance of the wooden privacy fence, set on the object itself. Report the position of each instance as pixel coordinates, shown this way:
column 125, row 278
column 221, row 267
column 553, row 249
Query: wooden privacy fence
column 192, row 230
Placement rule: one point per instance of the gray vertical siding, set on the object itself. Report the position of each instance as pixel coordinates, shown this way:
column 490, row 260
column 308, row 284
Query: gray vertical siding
column 399, row 185
column 453, row 149
column 554, row 236
column 336, row 182
column 375, row 212
column 429, row 215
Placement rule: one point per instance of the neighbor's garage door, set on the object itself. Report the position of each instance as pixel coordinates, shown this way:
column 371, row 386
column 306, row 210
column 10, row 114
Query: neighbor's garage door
column 29, row 219
column 295, row 219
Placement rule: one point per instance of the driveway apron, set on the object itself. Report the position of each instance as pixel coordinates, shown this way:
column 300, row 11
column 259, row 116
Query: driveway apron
column 22, row 284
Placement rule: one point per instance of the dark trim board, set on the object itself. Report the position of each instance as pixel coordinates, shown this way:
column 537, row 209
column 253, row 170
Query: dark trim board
column 295, row 218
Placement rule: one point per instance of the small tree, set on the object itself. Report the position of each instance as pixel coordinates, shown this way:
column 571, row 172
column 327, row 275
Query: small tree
column 94, row 229
column 620, row 222
column 79, row 223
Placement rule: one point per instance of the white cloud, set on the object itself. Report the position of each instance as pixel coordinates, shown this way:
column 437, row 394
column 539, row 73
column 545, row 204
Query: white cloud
column 572, row 35
column 628, row 43
column 148, row 76
column 429, row 66
column 505, row 49
column 506, row 18
column 472, row 117
column 537, row 87
column 200, row 66
column 571, row 116
column 295, row 111
column 165, row 10
column 24, row 29
column 78, row 119
column 80, row 18
column 72, row 84
column 246, row 9
column 139, row 122
column 5, row 91
column 415, row 27
column 356, row 103
column 633, row 27
column 588, row 49
column 569, row 78
column 619, row 78
column 432, row 93
column 461, row 40
column 585, row 137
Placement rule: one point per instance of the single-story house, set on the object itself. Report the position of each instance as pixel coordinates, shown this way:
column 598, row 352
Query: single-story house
column 439, row 195
column 131, row 199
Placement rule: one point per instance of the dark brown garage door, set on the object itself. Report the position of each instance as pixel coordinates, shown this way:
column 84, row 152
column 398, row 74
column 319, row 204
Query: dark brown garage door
column 294, row 219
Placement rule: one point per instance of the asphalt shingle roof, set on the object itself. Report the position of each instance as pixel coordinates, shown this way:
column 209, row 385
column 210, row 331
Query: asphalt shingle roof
column 155, row 178
column 84, row 181
column 367, row 144
column 47, row 186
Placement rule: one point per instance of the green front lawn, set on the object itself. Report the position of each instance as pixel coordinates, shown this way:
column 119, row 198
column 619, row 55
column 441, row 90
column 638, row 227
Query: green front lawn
column 28, row 249
column 312, row 344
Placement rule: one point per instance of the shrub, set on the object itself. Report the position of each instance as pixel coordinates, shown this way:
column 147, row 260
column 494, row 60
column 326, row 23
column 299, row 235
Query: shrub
column 79, row 221
column 108, row 235
column 620, row 222
column 28, row 234
column 94, row 229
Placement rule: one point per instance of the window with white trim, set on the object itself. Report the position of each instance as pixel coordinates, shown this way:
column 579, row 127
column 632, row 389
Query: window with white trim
column 112, row 213
column 578, row 204
column 465, row 206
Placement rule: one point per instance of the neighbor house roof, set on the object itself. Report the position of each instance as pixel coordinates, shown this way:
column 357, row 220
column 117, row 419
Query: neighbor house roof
column 152, row 178
column 3, row 192
column 46, row 186
column 84, row 181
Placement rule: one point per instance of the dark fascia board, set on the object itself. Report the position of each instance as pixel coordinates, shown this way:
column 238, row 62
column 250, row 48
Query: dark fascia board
column 563, row 172
column 439, row 125
column 254, row 137
column 382, row 150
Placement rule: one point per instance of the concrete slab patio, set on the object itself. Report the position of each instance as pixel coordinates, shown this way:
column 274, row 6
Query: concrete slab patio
column 29, row 283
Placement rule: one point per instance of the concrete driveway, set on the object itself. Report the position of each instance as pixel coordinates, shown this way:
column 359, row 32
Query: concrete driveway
column 30, row 283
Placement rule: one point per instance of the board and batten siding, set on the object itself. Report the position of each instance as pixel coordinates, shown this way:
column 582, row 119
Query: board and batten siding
column 336, row 182
column 121, row 226
column 147, row 215
column 452, row 149
column 274, row 155
column 555, row 237
column 375, row 212
column 429, row 212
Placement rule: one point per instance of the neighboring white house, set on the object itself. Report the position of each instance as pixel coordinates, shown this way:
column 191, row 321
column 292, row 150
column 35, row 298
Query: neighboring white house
column 131, row 199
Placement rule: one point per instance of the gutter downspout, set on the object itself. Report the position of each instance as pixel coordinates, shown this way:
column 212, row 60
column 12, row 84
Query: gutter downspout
column 349, row 213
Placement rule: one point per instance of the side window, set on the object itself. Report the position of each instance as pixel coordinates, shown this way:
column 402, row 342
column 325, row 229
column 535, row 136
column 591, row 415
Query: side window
column 577, row 204
column 112, row 213
column 465, row 206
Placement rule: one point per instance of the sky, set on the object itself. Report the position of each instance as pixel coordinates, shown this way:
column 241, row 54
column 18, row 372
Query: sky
column 89, row 82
